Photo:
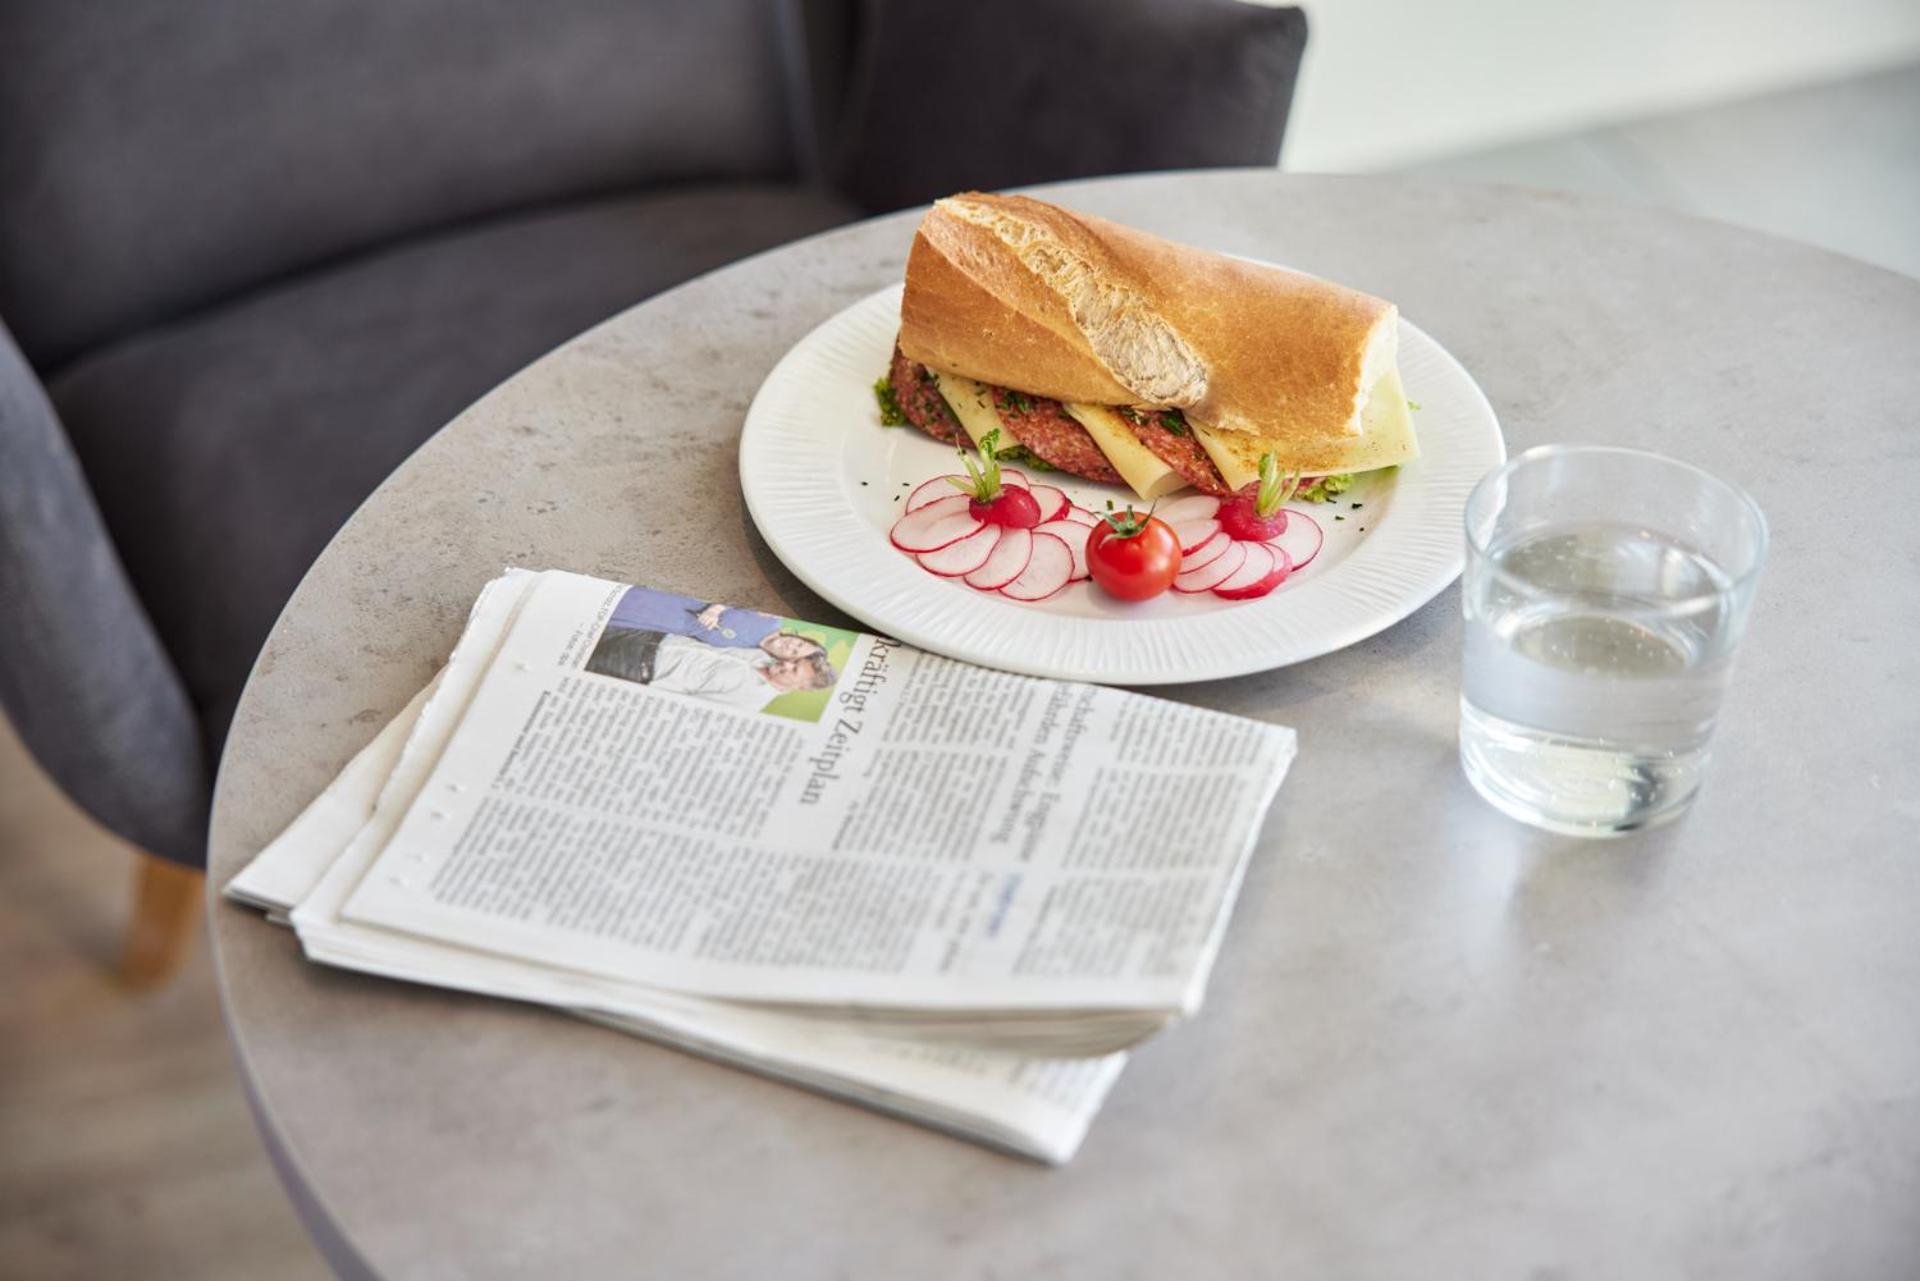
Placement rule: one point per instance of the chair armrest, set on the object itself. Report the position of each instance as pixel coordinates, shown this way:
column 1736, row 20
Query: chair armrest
column 1004, row 93
column 82, row 674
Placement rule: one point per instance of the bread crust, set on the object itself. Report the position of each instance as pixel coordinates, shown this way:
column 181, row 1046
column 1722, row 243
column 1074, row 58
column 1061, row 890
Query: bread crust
column 1019, row 293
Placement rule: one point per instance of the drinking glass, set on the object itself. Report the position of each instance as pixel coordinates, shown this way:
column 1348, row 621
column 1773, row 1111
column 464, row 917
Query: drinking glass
column 1606, row 591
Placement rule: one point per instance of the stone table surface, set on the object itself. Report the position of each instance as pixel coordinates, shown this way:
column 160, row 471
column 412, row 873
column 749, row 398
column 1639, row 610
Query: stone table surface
column 1437, row 1044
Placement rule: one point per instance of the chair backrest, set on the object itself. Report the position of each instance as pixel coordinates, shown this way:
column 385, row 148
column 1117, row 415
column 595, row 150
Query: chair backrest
column 1004, row 93
column 160, row 155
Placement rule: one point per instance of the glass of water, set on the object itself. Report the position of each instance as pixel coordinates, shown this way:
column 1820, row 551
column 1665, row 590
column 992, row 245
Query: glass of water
column 1605, row 593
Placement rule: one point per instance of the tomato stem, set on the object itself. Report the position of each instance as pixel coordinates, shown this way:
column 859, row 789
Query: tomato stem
column 1127, row 524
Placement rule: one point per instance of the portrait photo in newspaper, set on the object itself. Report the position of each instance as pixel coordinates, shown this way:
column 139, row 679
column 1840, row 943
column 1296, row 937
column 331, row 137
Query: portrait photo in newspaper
column 736, row 657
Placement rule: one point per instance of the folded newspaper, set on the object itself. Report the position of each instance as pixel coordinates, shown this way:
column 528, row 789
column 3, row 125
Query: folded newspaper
column 947, row 892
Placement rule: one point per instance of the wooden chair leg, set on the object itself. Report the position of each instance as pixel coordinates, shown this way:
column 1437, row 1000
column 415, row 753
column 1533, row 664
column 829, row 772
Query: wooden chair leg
column 166, row 908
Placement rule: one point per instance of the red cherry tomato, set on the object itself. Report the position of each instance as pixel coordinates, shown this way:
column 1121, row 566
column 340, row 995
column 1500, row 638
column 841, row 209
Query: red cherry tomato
column 1134, row 566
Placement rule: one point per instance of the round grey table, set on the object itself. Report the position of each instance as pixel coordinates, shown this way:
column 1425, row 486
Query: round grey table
column 1438, row 1044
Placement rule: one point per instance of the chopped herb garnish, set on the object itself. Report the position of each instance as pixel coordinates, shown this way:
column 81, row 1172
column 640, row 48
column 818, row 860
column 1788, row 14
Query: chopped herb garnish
column 1016, row 401
column 891, row 415
column 1412, row 404
column 1174, row 421
column 1339, row 517
column 1355, row 506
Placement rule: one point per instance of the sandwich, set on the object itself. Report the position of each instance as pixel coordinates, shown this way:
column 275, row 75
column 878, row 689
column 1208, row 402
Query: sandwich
column 1114, row 356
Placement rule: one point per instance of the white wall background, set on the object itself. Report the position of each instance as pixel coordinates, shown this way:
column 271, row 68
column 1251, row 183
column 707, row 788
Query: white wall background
column 1391, row 82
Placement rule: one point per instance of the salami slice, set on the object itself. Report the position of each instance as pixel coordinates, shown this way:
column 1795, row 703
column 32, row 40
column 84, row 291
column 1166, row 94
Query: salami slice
column 921, row 402
column 1047, row 432
column 1172, row 442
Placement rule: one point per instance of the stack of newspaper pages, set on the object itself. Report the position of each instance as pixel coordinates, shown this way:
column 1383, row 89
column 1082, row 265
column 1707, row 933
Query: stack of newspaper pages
column 951, row 893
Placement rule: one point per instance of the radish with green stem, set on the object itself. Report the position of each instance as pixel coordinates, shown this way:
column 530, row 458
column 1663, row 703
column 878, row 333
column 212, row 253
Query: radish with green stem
column 1257, row 514
column 1010, row 506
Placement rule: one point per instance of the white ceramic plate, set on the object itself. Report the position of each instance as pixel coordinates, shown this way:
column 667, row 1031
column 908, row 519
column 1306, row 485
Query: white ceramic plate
column 825, row 481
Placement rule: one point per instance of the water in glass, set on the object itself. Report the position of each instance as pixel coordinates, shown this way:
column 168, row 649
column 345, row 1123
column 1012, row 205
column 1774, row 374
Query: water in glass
column 1596, row 655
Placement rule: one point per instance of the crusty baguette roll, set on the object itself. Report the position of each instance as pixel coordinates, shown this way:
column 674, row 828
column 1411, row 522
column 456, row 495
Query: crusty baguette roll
column 1020, row 293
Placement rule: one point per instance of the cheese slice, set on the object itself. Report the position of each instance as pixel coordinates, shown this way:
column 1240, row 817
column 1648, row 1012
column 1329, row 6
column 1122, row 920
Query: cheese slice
column 1386, row 439
column 1233, row 471
column 972, row 404
column 1139, row 466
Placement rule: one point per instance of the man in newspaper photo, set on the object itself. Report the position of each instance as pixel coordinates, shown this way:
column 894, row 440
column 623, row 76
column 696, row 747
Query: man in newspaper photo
column 737, row 657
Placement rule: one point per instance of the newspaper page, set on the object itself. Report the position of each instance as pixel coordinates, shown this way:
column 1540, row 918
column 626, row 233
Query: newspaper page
column 286, row 871
column 669, row 792
column 1033, row 1105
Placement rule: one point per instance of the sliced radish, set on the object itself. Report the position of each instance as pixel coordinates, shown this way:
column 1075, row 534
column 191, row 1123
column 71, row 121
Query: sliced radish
column 1004, row 563
column 1081, row 516
column 1205, row 553
column 1075, row 536
column 928, row 491
column 1054, row 503
column 1301, row 539
column 942, row 521
column 1192, row 533
column 961, row 558
column 1188, row 507
column 1048, row 570
column 1259, row 562
column 1215, row 571
column 1239, row 588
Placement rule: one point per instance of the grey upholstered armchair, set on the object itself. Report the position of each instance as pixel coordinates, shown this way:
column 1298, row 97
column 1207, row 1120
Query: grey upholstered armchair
column 234, row 239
